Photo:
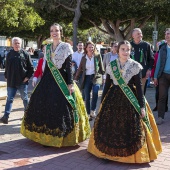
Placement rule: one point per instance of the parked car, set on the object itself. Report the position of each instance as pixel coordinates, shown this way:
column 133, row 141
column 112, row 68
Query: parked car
column 35, row 59
column 104, row 50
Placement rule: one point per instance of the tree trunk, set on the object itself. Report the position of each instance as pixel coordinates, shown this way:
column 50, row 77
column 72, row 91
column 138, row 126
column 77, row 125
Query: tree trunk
column 40, row 39
column 113, row 29
column 75, row 24
column 25, row 42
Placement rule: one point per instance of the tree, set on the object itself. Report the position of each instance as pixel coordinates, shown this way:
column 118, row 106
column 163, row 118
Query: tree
column 17, row 15
column 39, row 32
column 119, row 17
column 77, row 15
column 73, row 6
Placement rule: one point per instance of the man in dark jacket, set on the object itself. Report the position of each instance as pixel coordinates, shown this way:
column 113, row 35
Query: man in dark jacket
column 18, row 70
column 142, row 53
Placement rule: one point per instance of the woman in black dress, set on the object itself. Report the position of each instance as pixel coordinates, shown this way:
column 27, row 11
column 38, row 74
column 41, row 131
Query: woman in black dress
column 56, row 115
column 124, row 129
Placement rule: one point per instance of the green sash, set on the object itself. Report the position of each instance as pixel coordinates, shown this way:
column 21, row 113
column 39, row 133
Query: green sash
column 61, row 82
column 128, row 92
column 96, row 64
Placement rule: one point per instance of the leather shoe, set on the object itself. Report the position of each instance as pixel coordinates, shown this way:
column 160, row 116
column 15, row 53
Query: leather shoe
column 166, row 109
column 4, row 120
column 160, row 121
column 90, row 118
column 155, row 109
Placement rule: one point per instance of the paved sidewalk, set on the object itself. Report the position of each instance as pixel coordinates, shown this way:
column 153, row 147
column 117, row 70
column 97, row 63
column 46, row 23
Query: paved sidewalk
column 19, row 153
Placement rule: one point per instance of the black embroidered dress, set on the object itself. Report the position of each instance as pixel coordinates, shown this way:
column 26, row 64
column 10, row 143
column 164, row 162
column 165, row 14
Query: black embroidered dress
column 49, row 118
column 119, row 133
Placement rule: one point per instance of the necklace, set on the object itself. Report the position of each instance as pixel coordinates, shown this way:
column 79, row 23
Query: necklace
column 122, row 66
column 53, row 50
column 90, row 57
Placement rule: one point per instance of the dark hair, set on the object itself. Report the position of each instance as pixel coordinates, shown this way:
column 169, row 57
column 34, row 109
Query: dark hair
column 42, row 46
column 167, row 29
column 80, row 42
column 87, row 43
column 112, row 43
column 60, row 27
column 121, row 43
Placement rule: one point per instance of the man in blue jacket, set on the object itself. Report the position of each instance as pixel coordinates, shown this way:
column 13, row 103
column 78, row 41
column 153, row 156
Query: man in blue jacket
column 162, row 73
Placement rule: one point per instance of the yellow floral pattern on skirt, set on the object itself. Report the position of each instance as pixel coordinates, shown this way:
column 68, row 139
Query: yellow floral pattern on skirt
column 80, row 132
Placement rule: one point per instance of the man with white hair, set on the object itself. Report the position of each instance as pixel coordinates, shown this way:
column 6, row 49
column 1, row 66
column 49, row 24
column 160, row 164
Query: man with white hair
column 18, row 70
column 142, row 53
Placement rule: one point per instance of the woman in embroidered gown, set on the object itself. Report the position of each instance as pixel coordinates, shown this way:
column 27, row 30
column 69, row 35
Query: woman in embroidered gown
column 54, row 117
column 120, row 132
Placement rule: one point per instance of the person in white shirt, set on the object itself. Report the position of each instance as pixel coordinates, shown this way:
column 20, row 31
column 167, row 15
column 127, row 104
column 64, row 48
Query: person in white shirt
column 76, row 59
column 110, row 56
column 77, row 56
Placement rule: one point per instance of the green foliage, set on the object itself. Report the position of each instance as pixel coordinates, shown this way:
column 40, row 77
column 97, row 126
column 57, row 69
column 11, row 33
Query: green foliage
column 125, row 9
column 31, row 19
column 17, row 15
column 124, row 15
column 148, row 31
column 117, row 9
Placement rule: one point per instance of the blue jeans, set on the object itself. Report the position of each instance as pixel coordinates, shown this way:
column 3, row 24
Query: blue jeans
column 11, row 92
column 82, row 90
column 88, row 86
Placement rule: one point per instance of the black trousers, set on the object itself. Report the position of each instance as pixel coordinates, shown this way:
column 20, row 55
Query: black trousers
column 164, row 83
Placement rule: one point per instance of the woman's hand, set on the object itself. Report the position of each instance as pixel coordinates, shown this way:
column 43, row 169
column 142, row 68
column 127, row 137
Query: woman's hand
column 26, row 79
column 148, row 73
column 143, row 113
column 75, row 81
column 34, row 81
column 71, row 88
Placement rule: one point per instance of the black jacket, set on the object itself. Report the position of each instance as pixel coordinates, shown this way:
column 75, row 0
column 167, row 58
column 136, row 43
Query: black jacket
column 147, row 60
column 163, row 57
column 18, row 67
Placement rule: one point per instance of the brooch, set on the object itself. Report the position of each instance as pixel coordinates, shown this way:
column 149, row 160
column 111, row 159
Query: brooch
column 52, row 54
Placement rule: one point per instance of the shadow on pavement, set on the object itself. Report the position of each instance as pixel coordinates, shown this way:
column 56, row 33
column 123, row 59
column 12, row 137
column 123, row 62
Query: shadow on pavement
column 9, row 129
column 32, row 155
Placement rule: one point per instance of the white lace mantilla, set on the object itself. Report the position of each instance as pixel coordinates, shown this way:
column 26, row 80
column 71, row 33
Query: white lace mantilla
column 62, row 51
column 130, row 69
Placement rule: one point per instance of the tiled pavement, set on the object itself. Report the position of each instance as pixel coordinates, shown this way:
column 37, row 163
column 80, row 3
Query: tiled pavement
column 19, row 153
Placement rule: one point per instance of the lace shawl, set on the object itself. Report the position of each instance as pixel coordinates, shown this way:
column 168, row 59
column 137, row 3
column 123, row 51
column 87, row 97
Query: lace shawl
column 130, row 69
column 62, row 51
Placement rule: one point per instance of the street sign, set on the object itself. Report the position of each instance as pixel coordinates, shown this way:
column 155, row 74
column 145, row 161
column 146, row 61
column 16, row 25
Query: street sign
column 155, row 35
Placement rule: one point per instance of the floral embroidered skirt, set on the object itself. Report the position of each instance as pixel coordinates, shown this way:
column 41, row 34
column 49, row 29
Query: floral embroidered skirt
column 49, row 118
column 119, row 134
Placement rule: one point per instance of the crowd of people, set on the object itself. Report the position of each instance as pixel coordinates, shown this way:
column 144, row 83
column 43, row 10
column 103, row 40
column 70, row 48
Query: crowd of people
column 65, row 99
column 3, row 54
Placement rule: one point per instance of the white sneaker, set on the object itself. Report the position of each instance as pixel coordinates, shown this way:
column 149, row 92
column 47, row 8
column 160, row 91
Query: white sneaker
column 159, row 121
column 93, row 114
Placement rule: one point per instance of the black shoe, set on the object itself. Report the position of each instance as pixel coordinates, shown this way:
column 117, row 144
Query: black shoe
column 4, row 120
column 45, row 146
column 155, row 109
column 90, row 118
column 166, row 109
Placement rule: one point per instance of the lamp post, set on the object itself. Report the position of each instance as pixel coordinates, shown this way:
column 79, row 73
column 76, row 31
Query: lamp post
column 89, row 35
column 155, row 33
